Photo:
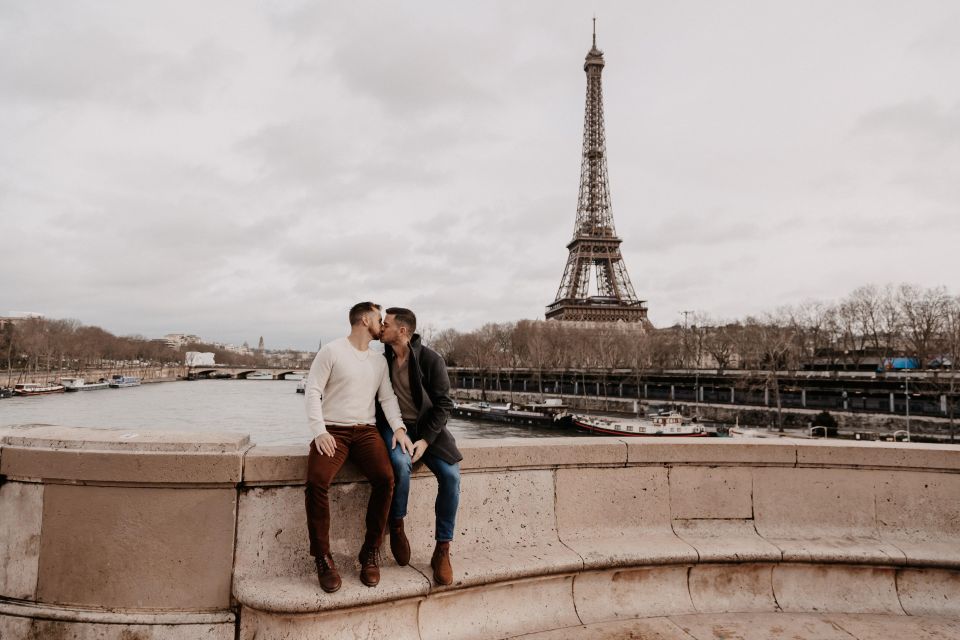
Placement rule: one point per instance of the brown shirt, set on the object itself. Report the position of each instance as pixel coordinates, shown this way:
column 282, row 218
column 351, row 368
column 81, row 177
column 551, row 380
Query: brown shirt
column 401, row 387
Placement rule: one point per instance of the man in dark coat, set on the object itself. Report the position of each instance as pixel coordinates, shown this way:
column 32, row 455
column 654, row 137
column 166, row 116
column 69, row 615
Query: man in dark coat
column 419, row 378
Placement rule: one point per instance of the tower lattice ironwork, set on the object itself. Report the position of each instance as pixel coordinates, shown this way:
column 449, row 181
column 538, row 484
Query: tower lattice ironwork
column 595, row 247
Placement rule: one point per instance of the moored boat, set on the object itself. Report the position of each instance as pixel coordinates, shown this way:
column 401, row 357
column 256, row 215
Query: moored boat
column 79, row 384
column 36, row 389
column 662, row 424
column 120, row 382
column 302, row 386
column 546, row 414
column 5, row 392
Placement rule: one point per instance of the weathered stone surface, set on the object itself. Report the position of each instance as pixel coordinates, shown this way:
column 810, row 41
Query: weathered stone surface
column 21, row 515
column 726, row 541
column 396, row 621
column 835, row 588
column 272, row 532
column 287, row 465
column 302, row 594
column 877, row 627
column 16, row 628
column 520, row 453
column 707, row 451
column 760, row 626
column 711, row 492
column 618, row 517
column 929, row 592
column 145, row 440
column 724, row 588
column 499, row 611
column 131, row 467
column 128, row 456
column 275, row 464
column 646, row 629
column 506, row 528
column 826, row 515
column 919, row 513
column 763, row 626
column 121, row 547
column 632, row 593
column 879, row 454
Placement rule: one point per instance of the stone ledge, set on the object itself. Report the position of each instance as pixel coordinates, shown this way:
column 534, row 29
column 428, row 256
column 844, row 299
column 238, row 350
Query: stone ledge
column 273, row 464
column 797, row 626
column 133, row 467
column 630, row 597
column 80, row 614
column 84, row 438
column 41, row 453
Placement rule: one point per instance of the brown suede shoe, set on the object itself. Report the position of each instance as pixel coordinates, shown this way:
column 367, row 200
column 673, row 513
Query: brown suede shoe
column 440, row 562
column 399, row 544
column 327, row 572
column 369, row 566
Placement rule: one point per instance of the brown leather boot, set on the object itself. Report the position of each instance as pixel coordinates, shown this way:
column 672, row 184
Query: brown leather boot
column 442, row 571
column 399, row 544
column 327, row 572
column 369, row 565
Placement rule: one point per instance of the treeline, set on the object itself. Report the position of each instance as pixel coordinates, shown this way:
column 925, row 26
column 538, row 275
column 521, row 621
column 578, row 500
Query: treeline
column 35, row 344
column 869, row 325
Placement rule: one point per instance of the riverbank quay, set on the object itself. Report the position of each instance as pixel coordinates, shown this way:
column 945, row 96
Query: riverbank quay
column 157, row 373
column 121, row 534
column 919, row 393
column 849, row 424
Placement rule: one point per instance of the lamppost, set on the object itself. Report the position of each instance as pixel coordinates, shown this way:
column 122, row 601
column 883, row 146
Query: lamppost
column 906, row 393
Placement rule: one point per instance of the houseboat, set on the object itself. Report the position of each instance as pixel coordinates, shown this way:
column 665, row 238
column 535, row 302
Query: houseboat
column 121, row 382
column 545, row 414
column 36, row 389
column 79, row 384
column 669, row 423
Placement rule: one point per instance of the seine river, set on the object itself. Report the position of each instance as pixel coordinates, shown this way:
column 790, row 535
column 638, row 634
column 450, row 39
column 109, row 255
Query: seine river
column 270, row 411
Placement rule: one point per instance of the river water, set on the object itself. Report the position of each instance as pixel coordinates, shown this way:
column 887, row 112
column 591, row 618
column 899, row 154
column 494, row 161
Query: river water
column 270, row 411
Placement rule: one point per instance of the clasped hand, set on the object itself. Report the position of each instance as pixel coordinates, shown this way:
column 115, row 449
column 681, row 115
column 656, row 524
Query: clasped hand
column 415, row 449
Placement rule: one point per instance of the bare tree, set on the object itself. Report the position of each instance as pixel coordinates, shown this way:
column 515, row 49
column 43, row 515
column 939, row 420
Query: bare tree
column 924, row 312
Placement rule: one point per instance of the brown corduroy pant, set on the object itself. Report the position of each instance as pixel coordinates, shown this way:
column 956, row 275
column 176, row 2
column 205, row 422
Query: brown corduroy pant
column 362, row 445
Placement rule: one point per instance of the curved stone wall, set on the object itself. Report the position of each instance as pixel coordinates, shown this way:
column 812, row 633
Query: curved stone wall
column 190, row 536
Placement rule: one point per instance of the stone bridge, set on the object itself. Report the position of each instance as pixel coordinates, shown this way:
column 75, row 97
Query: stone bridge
column 115, row 535
column 241, row 373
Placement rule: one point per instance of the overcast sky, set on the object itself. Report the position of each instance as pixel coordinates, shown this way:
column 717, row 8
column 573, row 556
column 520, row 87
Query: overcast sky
column 237, row 169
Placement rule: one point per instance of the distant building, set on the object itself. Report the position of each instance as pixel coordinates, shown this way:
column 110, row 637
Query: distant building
column 179, row 340
column 17, row 318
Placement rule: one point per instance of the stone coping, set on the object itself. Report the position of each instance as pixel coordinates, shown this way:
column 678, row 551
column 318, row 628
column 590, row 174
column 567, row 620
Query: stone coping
column 79, row 614
column 46, row 453
column 44, row 436
column 270, row 464
column 118, row 455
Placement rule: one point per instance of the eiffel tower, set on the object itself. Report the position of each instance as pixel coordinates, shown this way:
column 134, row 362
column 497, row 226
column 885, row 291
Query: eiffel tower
column 595, row 245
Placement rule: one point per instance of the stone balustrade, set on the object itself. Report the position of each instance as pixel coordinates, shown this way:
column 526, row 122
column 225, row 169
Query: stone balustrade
column 159, row 535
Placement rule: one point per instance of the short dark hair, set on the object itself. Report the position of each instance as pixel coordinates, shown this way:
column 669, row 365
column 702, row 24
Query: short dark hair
column 404, row 317
column 360, row 309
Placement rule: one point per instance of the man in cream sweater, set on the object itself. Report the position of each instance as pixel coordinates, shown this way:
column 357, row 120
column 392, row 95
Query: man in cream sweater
column 344, row 380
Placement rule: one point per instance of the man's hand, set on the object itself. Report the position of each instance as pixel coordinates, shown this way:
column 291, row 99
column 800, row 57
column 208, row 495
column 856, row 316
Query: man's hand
column 326, row 444
column 419, row 448
column 400, row 437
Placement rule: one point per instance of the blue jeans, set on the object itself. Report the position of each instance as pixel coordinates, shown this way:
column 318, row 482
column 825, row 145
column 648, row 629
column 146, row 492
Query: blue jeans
column 448, row 491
